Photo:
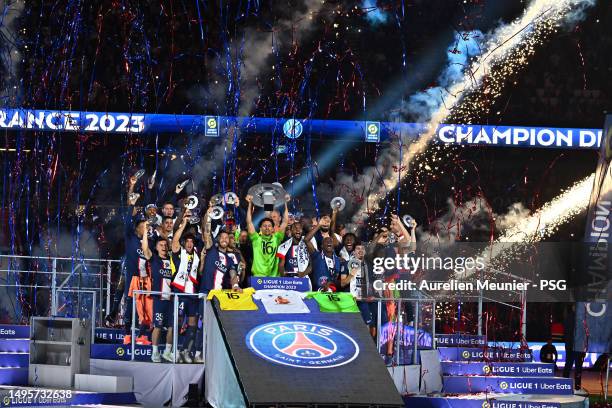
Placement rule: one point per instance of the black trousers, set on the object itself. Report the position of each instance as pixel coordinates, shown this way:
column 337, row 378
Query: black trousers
column 572, row 357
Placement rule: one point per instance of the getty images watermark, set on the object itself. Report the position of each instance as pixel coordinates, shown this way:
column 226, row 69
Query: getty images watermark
column 502, row 271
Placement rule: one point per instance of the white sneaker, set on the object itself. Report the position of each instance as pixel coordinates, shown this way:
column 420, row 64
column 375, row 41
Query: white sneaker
column 198, row 358
column 186, row 357
column 168, row 356
column 156, row 357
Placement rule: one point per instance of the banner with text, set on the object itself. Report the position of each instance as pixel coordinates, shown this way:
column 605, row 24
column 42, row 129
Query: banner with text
column 292, row 128
column 593, row 326
column 478, row 354
column 500, row 369
column 299, row 284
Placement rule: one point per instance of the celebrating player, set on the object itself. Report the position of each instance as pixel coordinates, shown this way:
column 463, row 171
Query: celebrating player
column 294, row 259
column 327, row 267
column 219, row 270
column 161, row 274
column 266, row 242
column 136, row 271
column 186, row 262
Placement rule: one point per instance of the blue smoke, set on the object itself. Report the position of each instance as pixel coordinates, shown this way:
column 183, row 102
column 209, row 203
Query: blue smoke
column 464, row 48
column 373, row 14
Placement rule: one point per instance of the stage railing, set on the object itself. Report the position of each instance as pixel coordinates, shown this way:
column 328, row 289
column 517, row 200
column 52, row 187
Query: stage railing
column 175, row 307
column 32, row 275
column 93, row 307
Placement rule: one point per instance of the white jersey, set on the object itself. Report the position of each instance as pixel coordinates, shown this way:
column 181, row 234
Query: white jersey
column 282, row 301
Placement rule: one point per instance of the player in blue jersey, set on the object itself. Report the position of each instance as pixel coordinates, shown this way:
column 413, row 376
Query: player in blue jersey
column 328, row 269
column 161, row 276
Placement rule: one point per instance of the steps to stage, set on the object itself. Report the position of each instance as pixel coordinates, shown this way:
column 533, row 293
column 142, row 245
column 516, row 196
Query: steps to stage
column 14, row 354
column 477, row 376
column 494, row 400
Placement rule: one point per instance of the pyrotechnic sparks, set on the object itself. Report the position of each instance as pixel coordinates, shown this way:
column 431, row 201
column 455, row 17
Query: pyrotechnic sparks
column 541, row 224
column 506, row 51
column 546, row 221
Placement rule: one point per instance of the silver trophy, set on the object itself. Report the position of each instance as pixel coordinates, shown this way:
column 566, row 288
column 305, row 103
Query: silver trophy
column 217, row 199
column 354, row 264
column 181, row 186
column 230, row 198
column 191, row 202
column 139, row 174
column 134, row 197
column 338, row 203
column 194, row 217
column 216, row 213
column 408, row 221
column 267, row 195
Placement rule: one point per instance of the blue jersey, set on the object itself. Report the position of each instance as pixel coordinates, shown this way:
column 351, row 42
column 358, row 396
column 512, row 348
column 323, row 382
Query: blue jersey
column 326, row 269
column 161, row 275
column 216, row 270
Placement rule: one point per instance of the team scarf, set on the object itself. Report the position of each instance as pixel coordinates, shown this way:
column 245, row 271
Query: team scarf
column 301, row 253
column 186, row 277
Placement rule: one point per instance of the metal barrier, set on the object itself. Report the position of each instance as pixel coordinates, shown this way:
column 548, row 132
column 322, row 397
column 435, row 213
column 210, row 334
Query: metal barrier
column 400, row 326
column 175, row 304
column 57, row 274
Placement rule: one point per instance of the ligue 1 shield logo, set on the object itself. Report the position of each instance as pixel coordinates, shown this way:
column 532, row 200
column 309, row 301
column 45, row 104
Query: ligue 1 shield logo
column 301, row 344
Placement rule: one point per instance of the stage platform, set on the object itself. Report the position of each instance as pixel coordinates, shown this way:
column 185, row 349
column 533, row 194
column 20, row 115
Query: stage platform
column 154, row 383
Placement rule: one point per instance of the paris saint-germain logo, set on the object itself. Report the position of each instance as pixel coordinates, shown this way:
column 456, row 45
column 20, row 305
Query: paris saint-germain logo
column 301, row 344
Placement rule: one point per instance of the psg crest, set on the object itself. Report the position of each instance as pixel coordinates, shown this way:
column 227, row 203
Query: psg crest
column 301, row 344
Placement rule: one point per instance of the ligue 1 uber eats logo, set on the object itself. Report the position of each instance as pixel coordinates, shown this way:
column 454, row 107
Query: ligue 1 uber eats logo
column 301, row 344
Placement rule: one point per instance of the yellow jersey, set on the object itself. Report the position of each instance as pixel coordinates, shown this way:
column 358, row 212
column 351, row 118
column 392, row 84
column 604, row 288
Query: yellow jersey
column 230, row 300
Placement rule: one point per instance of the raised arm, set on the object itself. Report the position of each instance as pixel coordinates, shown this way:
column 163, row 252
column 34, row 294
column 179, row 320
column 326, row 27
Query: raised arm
column 285, row 222
column 181, row 216
column 249, row 215
column 332, row 228
column 202, row 259
column 308, row 239
column 206, row 221
column 176, row 239
column 144, row 243
column 131, row 210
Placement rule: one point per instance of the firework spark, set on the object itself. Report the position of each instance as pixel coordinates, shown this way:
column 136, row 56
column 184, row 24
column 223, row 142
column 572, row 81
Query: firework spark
column 506, row 52
column 540, row 225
